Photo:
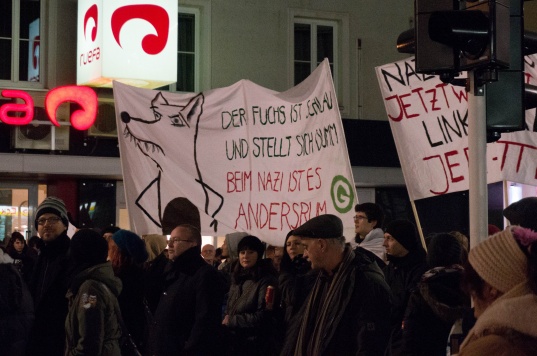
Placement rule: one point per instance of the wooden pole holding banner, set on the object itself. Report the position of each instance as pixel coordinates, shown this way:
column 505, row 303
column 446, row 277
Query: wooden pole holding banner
column 477, row 159
column 418, row 224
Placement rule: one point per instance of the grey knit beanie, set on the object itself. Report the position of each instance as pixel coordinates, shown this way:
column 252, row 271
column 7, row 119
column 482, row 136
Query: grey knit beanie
column 52, row 205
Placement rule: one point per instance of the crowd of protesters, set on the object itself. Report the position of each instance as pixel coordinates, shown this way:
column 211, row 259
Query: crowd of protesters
column 390, row 293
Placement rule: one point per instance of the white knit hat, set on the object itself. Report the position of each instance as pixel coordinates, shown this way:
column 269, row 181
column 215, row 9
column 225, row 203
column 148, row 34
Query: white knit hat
column 500, row 261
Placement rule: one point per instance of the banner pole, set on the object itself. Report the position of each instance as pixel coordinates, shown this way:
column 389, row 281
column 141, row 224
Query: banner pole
column 418, row 224
column 477, row 157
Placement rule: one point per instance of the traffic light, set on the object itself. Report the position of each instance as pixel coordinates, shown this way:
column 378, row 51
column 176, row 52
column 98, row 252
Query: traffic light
column 486, row 37
column 505, row 98
column 433, row 57
column 453, row 36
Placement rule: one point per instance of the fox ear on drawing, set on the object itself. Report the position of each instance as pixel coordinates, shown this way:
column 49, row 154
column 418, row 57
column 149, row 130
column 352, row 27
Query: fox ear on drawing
column 194, row 108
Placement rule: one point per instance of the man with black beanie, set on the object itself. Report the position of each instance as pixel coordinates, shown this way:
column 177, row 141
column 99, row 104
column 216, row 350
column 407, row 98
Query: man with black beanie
column 406, row 265
column 50, row 279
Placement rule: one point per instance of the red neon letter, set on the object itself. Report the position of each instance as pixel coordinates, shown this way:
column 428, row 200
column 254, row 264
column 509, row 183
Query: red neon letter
column 83, row 96
column 27, row 108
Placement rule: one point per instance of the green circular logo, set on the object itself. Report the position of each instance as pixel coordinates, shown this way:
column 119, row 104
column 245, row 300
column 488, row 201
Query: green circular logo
column 342, row 194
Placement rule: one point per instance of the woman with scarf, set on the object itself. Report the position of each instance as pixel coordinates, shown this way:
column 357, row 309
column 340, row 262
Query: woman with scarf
column 248, row 317
column 501, row 277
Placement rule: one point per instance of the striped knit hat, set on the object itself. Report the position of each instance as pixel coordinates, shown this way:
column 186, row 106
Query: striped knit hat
column 52, row 205
column 500, row 261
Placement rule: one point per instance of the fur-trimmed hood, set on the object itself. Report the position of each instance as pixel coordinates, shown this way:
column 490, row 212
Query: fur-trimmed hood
column 440, row 289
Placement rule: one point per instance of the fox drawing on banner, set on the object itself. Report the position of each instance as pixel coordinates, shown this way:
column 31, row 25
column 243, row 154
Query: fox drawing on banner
column 179, row 117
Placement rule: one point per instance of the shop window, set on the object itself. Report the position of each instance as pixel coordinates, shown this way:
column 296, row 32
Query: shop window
column 20, row 42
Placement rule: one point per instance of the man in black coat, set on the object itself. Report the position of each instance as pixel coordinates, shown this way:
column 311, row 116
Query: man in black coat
column 50, row 279
column 407, row 264
column 188, row 317
column 348, row 309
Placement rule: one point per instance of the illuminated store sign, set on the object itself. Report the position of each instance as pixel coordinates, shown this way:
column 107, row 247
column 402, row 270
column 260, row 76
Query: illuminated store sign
column 7, row 210
column 23, row 113
column 133, row 41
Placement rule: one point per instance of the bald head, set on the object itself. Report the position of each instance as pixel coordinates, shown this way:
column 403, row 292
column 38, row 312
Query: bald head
column 208, row 252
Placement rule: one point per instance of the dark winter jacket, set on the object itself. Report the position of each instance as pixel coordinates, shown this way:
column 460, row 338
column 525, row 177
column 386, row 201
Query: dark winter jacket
column 432, row 310
column 24, row 261
column 92, row 326
column 131, row 301
column 251, row 324
column 187, row 320
column 16, row 311
column 49, row 284
column 294, row 286
column 154, row 280
column 402, row 275
column 364, row 328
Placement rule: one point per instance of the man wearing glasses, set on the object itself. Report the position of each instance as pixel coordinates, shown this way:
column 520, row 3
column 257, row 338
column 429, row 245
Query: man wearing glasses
column 189, row 310
column 50, row 280
column 369, row 234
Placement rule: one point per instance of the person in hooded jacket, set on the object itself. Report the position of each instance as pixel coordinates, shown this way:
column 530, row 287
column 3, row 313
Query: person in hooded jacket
column 407, row 264
column 438, row 301
column 501, row 278
column 248, row 317
column 92, row 325
column 50, row 279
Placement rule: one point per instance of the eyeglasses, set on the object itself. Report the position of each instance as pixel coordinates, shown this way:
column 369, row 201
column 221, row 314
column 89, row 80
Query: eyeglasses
column 51, row 221
column 178, row 240
column 358, row 217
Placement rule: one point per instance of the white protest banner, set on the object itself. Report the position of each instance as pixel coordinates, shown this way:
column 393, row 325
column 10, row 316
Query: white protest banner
column 250, row 159
column 429, row 122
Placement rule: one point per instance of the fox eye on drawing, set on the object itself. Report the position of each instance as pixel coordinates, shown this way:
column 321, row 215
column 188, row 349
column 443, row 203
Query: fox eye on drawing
column 178, row 121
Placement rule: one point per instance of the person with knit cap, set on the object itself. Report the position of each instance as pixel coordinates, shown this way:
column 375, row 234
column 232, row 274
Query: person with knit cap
column 523, row 213
column 347, row 311
column 438, row 301
column 92, row 325
column 407, row 264
column 248, row 317
column 188, row 315
column 50, row 279
column 127, row 253
column 501, row 278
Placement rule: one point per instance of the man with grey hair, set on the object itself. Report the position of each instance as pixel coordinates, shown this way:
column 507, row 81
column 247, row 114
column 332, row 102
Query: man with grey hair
column 348, row 309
